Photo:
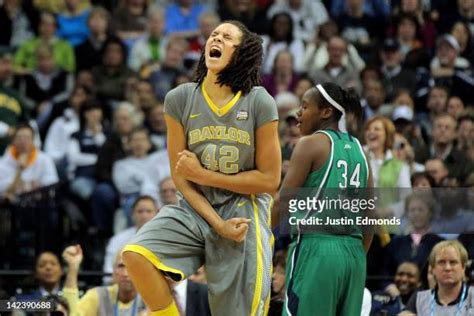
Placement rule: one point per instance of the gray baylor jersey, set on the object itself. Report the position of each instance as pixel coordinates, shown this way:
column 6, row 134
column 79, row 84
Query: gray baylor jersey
column 222, row 138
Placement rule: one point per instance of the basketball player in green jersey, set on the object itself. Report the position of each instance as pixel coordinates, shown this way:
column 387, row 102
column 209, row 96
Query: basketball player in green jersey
column 221, row 129
column 326, row 272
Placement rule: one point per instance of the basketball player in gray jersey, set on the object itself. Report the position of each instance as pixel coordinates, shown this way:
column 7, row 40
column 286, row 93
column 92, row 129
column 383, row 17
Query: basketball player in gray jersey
column 225, row 160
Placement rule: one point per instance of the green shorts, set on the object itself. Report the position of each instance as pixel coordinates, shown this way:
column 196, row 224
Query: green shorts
column 325, row 276
column 178, row 241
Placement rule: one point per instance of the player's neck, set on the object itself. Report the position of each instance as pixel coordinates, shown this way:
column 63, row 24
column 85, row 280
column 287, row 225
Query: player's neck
column 328, row 125
column 220, row 95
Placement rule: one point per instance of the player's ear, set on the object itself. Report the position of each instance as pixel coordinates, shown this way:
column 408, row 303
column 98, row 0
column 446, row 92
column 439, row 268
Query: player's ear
column 327, row 112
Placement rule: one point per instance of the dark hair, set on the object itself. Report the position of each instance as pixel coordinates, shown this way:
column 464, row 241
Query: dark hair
column 289, row 36
column 143, row 198
column 116, row 41
column 88, row 105
column 418, row 175
column 243, row 71
column 348, row 99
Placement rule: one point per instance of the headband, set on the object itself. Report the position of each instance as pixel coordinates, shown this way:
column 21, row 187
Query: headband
column 337, row 106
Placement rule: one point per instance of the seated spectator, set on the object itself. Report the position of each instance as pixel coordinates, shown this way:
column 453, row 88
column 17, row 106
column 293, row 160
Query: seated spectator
column 144, row 209
column 89, row 52
column 12, row 109
column 461, row 11
column 422, row 180
column 307, row 16
column 278, row 285
column 281, row 38
column 387, row 171
column 465, row 139
column 208, row 21
column 121, row 296
column 316, row 54
column 156, row 126
column 164, row 78
column 378, row 8
column 72, row 23
column 283, row 77
column 373, row 102
column 83, row 149
column 403, row 151
column 112, row 75
column 150, row 48
column 182, row 18
column 435, row 105
column 418, row 240
column 304, row 83
column 437, row 170
column 455, row 106
column 59, row 134
column 140, row 172
column 395, row 76
column 191, row 298
column 129, row 20
column 448, row 261
column 105, row 198
column 463, row 34
column 392, row 300
column 15, row 24
column 247, row 12
column 63, row 54
column 24, row 167
column 335, row 71
column 168, row 192
column 141, row 96
column 45, row 85
column 286, row 102
column 443, row 147
column 291, row 135
column 407, row 31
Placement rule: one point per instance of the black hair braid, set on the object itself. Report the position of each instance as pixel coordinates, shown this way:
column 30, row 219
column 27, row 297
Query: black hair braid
column 243, row 71
column 348, row 99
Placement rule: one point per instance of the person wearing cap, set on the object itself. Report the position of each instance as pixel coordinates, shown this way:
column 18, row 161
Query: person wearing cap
column 12, row 109
column 395, row 76
column 447, row 56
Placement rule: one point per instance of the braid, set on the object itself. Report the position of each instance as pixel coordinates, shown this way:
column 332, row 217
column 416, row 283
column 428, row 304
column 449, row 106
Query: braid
column 243, row 71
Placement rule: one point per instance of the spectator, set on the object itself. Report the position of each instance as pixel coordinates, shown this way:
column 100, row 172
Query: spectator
column 377, row 8
column 24, row 167
column 45, row 85
column 14, row 23
column 286, row 102
column 181, row 18
column 129, row 20
column 304, row 83
column 291, row 135
column 157, row 126
column 191, row 298
column 144, row 209
column 142, row 96
column 447, row 261
column 443, row 147
column 465, row 139
column 58, row 137
column 112, row 75
column 373, row 101
column 105, row 198
column 335, row 71
column 455, row 106
column 436, row 169
column 281, row 37
column 150, row 48
column 387, row 171
column 392, row 300
column 395, row 76
column 12, row 109
column 464, row 11
column 462, row 33
column 278, row 285
column 168, row 192
column 403, row 151
column 83, row 149
column 407, row 34
column 140, row 172
column 316, row 54
column 422, row 180
column 63, row 54
column 247, row 12
column 418, row 239
column 72, row 23
column 120, row 297
column 307, row 15
column 436, row 105
column 283, row 77
column 90, row 52
column 172, row 67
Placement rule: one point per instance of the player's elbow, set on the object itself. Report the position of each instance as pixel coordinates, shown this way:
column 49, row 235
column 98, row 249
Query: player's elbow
column 272, row 183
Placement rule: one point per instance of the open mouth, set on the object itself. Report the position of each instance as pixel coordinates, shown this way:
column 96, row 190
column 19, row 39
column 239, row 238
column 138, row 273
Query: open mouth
column 215, row 52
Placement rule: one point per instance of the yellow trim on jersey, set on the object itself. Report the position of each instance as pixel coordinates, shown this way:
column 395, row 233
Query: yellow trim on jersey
column 150, row 256
column 259, row 275
column 223, row 110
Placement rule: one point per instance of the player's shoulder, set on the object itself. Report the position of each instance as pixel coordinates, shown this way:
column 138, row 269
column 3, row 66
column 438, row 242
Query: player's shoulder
column 181, row 91
column 317, row 143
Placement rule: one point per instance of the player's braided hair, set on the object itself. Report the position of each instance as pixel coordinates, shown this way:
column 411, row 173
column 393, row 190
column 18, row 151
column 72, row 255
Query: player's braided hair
column 348, row 99
column 243, row 71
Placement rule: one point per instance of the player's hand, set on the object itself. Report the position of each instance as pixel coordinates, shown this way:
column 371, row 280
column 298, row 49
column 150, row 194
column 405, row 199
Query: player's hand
column 188, row 166
column 235, row 228
column 73, row 256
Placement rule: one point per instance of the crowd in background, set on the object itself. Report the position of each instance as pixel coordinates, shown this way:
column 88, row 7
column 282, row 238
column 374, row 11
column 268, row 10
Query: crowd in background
column 82, row 85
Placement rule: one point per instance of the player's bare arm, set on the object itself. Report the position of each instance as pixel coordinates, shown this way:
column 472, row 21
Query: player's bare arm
column 234, row 229
column 264, row 179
